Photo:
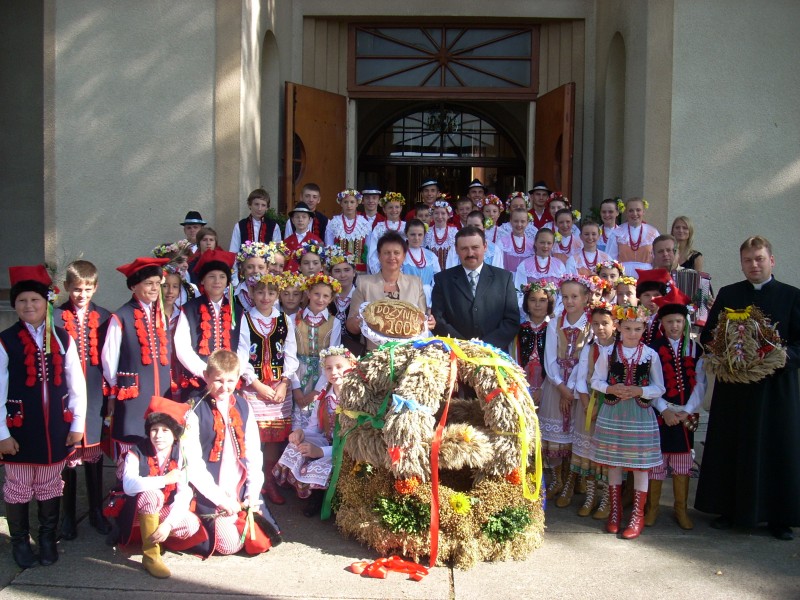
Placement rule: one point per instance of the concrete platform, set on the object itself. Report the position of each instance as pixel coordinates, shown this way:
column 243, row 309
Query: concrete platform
column 578, row 560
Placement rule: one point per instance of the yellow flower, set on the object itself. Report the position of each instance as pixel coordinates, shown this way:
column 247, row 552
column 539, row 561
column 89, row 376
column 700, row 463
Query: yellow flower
column 557, row 236
column 460, row 503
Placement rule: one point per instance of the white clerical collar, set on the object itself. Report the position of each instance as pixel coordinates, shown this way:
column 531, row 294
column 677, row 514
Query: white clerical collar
column 758, row 286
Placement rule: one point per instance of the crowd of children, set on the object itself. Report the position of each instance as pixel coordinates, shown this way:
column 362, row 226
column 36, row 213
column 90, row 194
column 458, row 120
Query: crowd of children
column 216, row 384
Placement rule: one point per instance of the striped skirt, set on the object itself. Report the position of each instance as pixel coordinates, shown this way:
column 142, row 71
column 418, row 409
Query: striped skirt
column 626, row 435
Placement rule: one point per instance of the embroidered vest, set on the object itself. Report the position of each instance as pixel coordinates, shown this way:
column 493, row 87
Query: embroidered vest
column 264, row 233
column 616, row 374
column 303, row 334
column 267, row 352
column 570, row 343
column 220, row 334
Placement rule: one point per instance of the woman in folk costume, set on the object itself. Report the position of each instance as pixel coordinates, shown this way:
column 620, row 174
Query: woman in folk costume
column 518, row 246
column 566, row 337
column 86, row 323
column 541, row 266
column 42, row 412
column 555, row 203
column 419, row 260
column 392, row 203
column 632, row 243
column 626, row 432
column 568, row 244
column 268, row 354
column 603, row 340
column 349, row 230
column 492, row 207
column 306, row 463
column 342, row 268
column 585, row 261
column 251, row 261
column 610, row 209
column 210, row 322
column 136, row 353
column 157, row 491
column 517, row 201
column 677, row 410
column 441, row 238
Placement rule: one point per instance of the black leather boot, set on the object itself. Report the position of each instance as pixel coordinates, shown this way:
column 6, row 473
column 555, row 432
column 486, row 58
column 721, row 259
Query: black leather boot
column 94, row 489
column 69, row 521
column 19, row 531
column 48, row 522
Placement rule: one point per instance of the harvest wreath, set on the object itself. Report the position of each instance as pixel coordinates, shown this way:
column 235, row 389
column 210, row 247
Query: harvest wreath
column 421, row 472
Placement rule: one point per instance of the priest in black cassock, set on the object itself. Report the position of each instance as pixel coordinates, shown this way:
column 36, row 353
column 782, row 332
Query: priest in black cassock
column 750, row 472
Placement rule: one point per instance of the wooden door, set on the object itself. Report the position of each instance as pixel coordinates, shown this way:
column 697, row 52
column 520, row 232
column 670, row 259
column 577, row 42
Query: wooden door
column 315, row 145
column 553, row 145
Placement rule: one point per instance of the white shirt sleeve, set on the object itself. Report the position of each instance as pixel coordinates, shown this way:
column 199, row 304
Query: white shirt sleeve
column 336, row 332
column 76, row 384
column 572, row 265
column 4, row 432
column 452, row 259
column 600, row 375
column 254, row 461
column 243, row 351
column 288, row 229
column 328, row 235
column 373, row 264
column 276, row 233
column 498, row 258
column 236, row 239
column 551, row 353
column 183, row 348
column 109, row 357
column 698, row 393
column 198, row 474
column 133, row 483
column 581, row 385
column 290, row 361
column 656, row 388
column 611, row 247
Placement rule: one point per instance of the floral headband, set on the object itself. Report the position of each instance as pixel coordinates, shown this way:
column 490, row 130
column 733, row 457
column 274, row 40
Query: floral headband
column 444, row 197
column 252, row 249
column 514, row 195
column 627, row 312
column 558, row 196
column 610, row 264
column 599, row 306
column 336, row 256
column 274, row 248
column 345, row 193
column 542, row 285
column 292, row 280
column 310, row 248
column 627, row 280
column 267, row 279
column 393, row 197
column 336, row 351
column 170, row 269
column 574, row 278
column 445, row 205
column 165, row 250
column 321, row 278
column 490, row 199
column 598, row 284
column 644, row 202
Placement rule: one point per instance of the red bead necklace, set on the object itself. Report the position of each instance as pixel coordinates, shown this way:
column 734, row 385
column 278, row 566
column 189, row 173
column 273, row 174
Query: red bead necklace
column 422, row 261
column 635, row 245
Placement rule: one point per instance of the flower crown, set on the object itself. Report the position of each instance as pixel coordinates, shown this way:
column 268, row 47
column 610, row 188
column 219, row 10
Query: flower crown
column 627, row 280
column 165, row 250
column 599, row 306
column 626, row 312
column 345, row 193
column 170, row 269
column 310, row 248
column 574, row 278
column 490, row 199
column 393, row 197
column 267, row 279
column 444, row 197
column 336, row 351
column 560, row 197
column 598, row 284
column 252, row 249
column 644, row 202
column 610, row 264
column 522, row 195
column 274, row 248
column 292, row 280
column 336, row 256
column 542, row 285
column 444, row 204
column 323, row 279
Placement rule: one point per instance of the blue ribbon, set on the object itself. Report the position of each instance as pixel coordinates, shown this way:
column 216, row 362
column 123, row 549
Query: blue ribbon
column 399, row 403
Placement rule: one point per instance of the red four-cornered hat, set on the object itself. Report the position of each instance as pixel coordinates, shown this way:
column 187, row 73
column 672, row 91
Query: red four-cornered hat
column 215, row 255
column 29, row 273
column 176, row 410
column 675, row 302
column 654, row 275
column 140, row 263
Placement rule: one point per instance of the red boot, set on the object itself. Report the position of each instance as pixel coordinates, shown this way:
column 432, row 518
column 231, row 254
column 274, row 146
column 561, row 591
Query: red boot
column 615, row 510
column 637, row 516
column 270, row 489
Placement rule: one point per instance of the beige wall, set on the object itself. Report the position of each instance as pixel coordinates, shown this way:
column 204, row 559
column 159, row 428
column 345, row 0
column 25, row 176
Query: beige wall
column 133, row 141
column 735, row 158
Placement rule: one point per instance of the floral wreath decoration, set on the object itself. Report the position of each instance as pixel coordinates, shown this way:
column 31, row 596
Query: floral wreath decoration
column 393, row 197
column 251, row 249
column 345, row 193
column 321, row 278
column 627, row 280
column 514, row 195
column 598, row 284
column 558, row 196
column 310, row 248
column 575, row 278
column 274, row 248
column 336, row 256
column 541, row 285
column 626, row 312
column 491, row 199
column 421, row 473
column 336, row 351
column 267, row 279
column 610, row 264
column 167, row 250
column 445, row 205
column 292, row 280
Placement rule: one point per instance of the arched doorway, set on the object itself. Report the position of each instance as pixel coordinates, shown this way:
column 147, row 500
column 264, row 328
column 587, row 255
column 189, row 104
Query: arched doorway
column 450, row 142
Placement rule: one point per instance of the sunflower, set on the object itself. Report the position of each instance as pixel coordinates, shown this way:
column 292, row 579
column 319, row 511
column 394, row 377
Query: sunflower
column 460, row 503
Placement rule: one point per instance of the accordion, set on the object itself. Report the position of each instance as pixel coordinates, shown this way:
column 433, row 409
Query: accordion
column 696, row 285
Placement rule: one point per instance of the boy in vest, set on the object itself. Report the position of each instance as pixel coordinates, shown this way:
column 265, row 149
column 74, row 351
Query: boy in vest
column 42, row 413
column 223, row 455
column 256, row 227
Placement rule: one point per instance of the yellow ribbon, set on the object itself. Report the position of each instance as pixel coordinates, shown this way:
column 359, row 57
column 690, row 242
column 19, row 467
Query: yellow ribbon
column 590, row 409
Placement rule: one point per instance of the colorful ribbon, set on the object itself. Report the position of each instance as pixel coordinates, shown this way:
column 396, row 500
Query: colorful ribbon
column 380, row 568
column 399, row 403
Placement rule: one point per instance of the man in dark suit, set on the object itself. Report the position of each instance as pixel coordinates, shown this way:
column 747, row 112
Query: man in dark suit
column 474, row 299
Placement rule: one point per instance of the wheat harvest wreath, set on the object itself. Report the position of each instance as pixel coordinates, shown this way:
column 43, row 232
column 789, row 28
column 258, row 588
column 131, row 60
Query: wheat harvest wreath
column 422, row 472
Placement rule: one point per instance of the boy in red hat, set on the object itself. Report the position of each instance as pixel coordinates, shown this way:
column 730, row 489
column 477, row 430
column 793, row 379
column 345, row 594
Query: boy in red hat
column 158, row 489
column 650, row 284
column 211, row 321
column 42, row 413
column 86, row 323
column 676, row 410
column 136, row 353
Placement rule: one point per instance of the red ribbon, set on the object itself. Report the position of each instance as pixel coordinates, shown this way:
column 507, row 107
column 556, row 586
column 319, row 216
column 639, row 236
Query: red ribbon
column 380, row 568
column 437, row 442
